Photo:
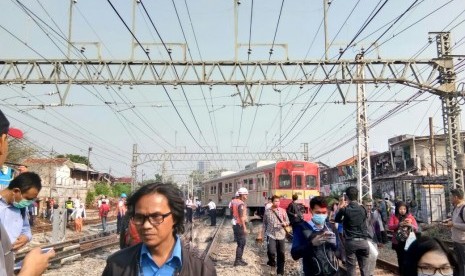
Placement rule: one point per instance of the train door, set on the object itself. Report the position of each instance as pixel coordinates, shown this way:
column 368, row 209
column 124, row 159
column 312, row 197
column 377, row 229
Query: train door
column 220, row 192
column 298, row 179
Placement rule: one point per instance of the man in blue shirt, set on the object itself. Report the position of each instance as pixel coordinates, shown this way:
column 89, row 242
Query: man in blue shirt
column 35, row 262
column 21, row 193
column 157, row 211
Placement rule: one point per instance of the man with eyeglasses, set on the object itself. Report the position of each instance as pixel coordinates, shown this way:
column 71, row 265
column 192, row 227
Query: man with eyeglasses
column 157, row 211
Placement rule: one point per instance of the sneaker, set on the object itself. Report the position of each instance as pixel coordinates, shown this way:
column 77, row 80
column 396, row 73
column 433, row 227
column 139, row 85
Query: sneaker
column 240, row 263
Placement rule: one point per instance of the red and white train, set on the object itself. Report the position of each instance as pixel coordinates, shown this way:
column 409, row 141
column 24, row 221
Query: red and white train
column 264, row 179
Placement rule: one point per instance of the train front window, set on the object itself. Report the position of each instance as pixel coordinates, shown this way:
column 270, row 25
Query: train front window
column 310, row 182
column 298, row 181
column 284, row 181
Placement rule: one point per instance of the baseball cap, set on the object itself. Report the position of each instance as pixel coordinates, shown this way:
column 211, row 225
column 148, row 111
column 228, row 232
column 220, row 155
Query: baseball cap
column 6, row 129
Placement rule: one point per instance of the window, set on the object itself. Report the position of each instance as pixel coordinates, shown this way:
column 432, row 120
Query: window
column 310, row 182
column 251, row 184
column 284, row 181
column 213, row 190
column 298, row 181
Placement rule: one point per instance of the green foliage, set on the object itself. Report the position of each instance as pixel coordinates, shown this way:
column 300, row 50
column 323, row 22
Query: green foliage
column 102, row 188
column 75, row 158
column 120, row 188
column 90, row 198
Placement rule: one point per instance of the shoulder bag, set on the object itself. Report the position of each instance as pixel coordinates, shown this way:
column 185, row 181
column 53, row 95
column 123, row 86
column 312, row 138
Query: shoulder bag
column 287, row 229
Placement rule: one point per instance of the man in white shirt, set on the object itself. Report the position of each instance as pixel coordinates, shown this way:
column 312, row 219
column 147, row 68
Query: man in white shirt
column 212, row 212
column 189, row 205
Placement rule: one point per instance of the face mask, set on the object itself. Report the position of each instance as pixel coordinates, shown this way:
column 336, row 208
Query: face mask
column 319, row 219
column 23, row 203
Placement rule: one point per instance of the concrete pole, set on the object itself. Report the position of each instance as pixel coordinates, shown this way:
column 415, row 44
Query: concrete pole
column 432, row 149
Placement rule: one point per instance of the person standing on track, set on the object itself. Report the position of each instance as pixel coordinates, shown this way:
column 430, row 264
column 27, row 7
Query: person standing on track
column 294, row 212
column 69, row 206
column 121, row 212
column 457, row 225
column 157, row 211
column 274, row 221
column 239, row 225
column 189, row 209
column 79, row 215
column 353, row 217
column 103, row 213
column 402, row 223
column 212, row 212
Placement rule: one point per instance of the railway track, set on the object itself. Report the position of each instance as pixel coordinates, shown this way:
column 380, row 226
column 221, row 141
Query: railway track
column 71, row 250
column 48, row 227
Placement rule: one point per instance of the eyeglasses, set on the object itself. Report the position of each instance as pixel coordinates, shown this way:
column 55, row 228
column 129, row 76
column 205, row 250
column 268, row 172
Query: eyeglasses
column 429, row 270
column 154, row 219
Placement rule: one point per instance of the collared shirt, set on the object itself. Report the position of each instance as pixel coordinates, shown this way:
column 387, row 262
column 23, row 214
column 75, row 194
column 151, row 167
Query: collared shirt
column 189, row 203
column 17, row 225
column 273, row 227
column 150, row 268
column 211, row 205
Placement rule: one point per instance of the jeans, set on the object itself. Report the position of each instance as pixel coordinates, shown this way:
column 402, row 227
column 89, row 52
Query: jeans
column 459, row 249
column 68, row 214
column 276, row 249
column 357, row 250
column 212, row 214
column 239, row 235
column 104, row 224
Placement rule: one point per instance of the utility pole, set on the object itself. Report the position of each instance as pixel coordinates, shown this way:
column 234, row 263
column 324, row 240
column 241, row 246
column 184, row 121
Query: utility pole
column 88, row 164
column 134, row 167
column 70, row 26
column 325, row 16
column 305, row 152
column 432, row 148
column 450, row 108
column 363, row 150
column 236, row 19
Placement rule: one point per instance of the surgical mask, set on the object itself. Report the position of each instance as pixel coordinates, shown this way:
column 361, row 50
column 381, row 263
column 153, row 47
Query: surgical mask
column 23, row 203
column 319, row 219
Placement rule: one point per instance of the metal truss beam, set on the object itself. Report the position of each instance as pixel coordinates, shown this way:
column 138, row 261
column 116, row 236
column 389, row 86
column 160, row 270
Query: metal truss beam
column 225, row 156
column 420, row 74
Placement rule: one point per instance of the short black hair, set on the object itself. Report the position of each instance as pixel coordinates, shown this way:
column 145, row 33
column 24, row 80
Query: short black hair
column 457, row 192
column 318, row 200
column 26, row 181
column 274, row 197
column 352, row 193
column 175, row 201
column 421, row 246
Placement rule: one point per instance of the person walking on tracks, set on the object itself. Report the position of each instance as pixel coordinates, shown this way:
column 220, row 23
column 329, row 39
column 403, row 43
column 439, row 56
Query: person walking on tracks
column 294, row 211
column 239, row 225
column 157, row 211
column 189, row 209
column 69, row 206
column 274, row 221
column 402, row 223
column 79, row 214
column 103, row 213
column 457, row 225
column 315, row 243
column 212, row 212
column 353, row 217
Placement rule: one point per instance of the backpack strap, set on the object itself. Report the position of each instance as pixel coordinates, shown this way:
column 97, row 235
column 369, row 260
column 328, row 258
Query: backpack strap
column 461, row 213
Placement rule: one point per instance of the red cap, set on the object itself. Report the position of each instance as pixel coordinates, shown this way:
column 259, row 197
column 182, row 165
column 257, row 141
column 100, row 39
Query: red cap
column 15, row 133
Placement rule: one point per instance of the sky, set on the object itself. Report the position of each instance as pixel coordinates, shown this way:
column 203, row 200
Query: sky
column 112, row 118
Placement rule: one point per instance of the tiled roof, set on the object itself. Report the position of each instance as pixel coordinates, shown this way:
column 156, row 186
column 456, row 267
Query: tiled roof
column 57, row 161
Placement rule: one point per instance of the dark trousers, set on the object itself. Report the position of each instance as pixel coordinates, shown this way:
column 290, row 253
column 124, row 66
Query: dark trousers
column 189, row 214
column 239, row 235
column 459, row 249
column 119, row 222
column 275, row 253
column 212, row 214
column 68, row 214
column 357, row 250
column 399, row 248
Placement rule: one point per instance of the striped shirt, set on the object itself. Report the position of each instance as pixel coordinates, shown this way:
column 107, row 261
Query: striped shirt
column 273, row 227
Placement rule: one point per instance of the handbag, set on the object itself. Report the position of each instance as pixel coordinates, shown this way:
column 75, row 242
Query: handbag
column 411, row 238
column 403, row 233
column 287, row 229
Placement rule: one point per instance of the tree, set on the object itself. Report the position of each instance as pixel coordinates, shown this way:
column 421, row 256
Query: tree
column 118, row 188
column 75, row 158
column 102, row 188
column 19, row 151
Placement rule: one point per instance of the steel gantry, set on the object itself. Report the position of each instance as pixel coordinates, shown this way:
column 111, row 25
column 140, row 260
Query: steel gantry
column 436, row 76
